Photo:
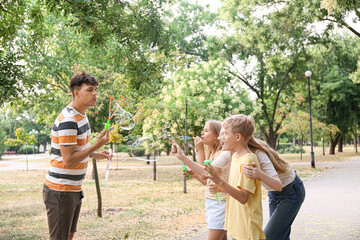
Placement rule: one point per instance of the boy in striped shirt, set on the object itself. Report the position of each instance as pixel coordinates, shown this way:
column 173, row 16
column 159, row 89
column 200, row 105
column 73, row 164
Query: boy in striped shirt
column 70, row 152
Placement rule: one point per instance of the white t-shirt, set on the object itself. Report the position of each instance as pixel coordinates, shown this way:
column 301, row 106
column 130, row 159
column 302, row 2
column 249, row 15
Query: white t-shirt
column 222, row 161
column 268, row 168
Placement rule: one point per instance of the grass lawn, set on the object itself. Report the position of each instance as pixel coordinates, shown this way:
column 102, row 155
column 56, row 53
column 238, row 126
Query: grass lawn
column 134, row 206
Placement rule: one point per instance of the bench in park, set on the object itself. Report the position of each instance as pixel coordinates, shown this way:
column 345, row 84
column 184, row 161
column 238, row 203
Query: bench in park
column 9, row 153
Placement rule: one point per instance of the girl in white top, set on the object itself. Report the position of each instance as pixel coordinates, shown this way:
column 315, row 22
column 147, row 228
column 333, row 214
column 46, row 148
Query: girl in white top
column 220, row 160
column 286, row 199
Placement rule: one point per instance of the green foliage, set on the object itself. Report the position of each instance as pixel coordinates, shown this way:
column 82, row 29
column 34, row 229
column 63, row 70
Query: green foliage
column 138, row 151
column 289, row 148
column 337, row 11
column 205, row 88
column 265, row 46
column 28, row 149
column 123, row 148
column 22, row 138
column 10, row 73
column 335, row 94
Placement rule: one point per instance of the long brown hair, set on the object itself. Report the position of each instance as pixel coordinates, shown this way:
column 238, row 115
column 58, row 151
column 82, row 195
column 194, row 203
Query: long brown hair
column 215, row 127
column 280, row 165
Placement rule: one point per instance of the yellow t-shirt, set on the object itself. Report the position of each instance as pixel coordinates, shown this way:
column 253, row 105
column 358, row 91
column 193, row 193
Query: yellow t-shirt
column 244, row 221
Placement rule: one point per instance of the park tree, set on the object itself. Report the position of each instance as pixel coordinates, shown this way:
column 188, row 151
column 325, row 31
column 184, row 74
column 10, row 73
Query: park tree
column 335, row 95
column 338, row 10
column 203, row 92
column 50, row 37
column 297, row 124
column 265, row 46
column 22, row 138
column 188, row 28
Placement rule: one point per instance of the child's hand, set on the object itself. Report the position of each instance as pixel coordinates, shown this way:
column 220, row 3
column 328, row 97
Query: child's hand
column 199, row 144
column 213, row 175
column 191, row 173
column 213, row 188
column 251, row 170
column 175, row 149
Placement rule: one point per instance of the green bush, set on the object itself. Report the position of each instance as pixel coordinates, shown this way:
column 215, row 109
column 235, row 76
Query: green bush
column 289, row 148
column 138, row 151
column 284, row 145
column 28, row 149
column 123, row 148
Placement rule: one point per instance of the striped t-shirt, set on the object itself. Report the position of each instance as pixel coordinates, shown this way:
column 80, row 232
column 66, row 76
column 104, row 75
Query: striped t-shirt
column 70, row 128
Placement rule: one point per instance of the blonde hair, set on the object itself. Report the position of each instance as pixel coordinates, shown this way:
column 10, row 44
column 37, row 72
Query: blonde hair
column 215, row 127
column 280, row 164
column 242, row 124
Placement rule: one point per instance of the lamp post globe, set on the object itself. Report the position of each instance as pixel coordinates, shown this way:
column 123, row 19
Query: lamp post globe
column 308, row 75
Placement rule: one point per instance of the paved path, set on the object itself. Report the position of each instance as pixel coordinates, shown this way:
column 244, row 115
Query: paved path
column 331, row 209
column 42, row 161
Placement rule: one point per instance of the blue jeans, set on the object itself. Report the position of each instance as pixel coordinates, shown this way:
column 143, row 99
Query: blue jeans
column 283, row 208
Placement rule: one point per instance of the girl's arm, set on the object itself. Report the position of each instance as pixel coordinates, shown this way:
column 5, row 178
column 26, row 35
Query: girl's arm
column 194, row 175
column 252, row 171
column 199, row 145
column 267, row 173
column 177, row 152
column 198, row 170
column 239, row 194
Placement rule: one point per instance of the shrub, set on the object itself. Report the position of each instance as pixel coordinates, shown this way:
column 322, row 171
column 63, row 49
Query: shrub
column 28, row 149
column 123, row 148
column 138, row 151
column 289, row 148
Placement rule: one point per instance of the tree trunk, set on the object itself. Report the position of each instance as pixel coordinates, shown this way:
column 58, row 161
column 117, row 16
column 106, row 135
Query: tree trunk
column 340, row 147
column 301, row 146
column 333, row 142
column 355, row 142
column 323, row 145
column 272, row 140
column 97, row 182
column 154, row 170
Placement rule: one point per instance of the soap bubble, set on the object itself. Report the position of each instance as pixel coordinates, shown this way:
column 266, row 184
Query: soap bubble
column 144, row 149
column 183, row 138
column 164, row 131
column 167, row 125
column 125, row 119
column 126, row 138
column 118, row 115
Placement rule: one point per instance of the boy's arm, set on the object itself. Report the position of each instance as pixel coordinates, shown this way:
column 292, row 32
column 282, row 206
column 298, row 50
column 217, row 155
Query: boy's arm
column 71, row 158
column 199, row 178
column 197, row 168
column 240, row 195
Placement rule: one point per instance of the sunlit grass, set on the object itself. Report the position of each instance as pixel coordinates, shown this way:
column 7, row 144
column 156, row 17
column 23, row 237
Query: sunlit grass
column 134, row 206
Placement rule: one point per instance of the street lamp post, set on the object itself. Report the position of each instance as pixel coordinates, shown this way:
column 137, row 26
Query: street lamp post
column 308, row 75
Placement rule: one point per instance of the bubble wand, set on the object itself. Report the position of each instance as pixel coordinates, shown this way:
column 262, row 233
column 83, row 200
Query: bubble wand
column 208, row 163
column 108, row 167
column 111, row 115
column 186, row 171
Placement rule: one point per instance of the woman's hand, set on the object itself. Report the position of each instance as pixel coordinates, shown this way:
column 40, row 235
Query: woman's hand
column 199, row 144
column 251, row 170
